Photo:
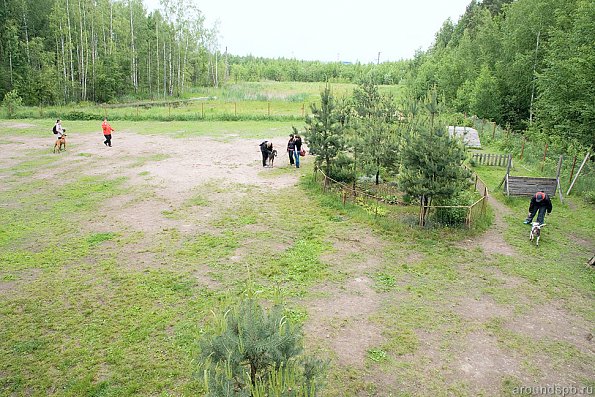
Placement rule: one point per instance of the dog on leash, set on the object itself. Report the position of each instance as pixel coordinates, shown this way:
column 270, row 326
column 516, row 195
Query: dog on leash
column 271, row 159
column 536, row 232
column 60, row 144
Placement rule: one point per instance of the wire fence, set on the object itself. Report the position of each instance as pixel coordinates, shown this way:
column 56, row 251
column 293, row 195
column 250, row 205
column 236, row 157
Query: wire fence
column 389, row 195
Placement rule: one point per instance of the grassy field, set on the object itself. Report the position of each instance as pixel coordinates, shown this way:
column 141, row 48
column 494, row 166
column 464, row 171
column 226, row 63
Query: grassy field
column 243, row 101
column 113, row 261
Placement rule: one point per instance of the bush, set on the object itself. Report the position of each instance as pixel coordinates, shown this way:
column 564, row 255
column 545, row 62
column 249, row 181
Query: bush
column 589, row 197
column 80, row 115
column 342, row 169
column 258, row 353
column 12, row 101
column 454, row 216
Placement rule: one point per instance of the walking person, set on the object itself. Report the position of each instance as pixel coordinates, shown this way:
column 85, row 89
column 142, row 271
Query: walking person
column 291, row 149
column 540, row 203
column 107, row 132
column 58, row 130
column 297, row 141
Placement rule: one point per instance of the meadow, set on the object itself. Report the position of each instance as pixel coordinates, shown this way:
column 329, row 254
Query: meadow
column 115, row 261
column 246, row 101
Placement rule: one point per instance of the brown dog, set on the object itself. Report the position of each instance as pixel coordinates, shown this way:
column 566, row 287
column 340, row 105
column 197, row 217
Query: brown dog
column 60, row 144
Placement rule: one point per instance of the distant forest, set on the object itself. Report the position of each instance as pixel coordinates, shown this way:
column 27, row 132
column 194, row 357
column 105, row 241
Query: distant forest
column 524, row 63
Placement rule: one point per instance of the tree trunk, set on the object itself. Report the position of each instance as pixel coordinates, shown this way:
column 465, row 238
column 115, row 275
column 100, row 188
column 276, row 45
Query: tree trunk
column 133, row 66
column 70, row 46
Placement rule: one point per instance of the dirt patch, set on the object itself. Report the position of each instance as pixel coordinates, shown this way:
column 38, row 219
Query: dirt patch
column 483, row 365
column 480, row 309
column 21, row 278
column 492, row 241
column 343, row 319
column 11, row 125
column 554, row 323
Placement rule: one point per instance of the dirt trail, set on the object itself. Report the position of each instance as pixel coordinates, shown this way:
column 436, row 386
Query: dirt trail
column 492, row 241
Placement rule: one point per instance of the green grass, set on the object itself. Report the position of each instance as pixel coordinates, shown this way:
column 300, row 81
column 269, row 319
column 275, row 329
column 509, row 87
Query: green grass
column 94, row 307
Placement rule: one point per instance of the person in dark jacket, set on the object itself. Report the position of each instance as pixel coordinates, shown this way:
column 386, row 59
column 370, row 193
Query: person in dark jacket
column 297, row 141
column 291, row 148
column 265, row 148
column 540, row 203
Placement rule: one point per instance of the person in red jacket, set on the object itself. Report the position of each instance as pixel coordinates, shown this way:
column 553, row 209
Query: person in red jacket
column 107, row 132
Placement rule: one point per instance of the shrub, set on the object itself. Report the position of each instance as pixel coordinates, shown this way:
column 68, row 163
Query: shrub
column 258, row 353
column 454, row 216
column 12, row 101
column 342, row 169
column 589, row 197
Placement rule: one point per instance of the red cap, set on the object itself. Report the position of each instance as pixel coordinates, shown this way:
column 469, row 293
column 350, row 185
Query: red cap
column 539, row 196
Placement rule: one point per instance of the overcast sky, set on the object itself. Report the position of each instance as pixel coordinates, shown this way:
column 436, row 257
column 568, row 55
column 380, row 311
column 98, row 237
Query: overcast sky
column 328, row 30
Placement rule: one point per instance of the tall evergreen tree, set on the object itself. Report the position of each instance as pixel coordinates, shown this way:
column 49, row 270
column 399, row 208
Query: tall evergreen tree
column 324, row 130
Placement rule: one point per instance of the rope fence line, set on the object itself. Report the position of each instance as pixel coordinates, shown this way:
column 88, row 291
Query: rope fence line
column 472, row 211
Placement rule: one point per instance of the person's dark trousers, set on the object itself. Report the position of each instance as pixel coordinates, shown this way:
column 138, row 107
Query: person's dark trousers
column 265, row 156
column 108, row 140
column 540, row 211
column 290, row 157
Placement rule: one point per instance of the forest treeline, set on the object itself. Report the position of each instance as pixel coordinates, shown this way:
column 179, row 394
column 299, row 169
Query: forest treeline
column 527, row 64
column 61, row 51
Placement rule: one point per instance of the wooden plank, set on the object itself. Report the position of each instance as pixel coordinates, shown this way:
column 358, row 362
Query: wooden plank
column 521, row 186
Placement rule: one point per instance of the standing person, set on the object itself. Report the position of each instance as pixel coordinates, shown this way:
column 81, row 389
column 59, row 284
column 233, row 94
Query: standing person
column 297, row 140
column 107, row 132
column 265, row 148
column 540, row 203
column 291, row 148
column 58, row 130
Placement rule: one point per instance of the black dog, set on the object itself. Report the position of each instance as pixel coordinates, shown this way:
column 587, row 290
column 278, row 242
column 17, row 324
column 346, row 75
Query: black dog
column 272, row 155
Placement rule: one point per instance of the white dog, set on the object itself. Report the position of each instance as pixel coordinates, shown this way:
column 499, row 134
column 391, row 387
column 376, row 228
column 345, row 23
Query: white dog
column 535, row 232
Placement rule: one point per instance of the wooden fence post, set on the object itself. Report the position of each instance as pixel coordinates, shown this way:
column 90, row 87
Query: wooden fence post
column 303, row 106
column 578, row 172
column 344, row 197
column 544, row 155
column 494, row 130
column 235, row 109
column 558, row 177
column 523, row 148
column 572, row 170
column 269, row 109
column 202, row 109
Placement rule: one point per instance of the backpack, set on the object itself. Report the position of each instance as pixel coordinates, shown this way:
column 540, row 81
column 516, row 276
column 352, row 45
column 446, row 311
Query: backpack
column 54, row 129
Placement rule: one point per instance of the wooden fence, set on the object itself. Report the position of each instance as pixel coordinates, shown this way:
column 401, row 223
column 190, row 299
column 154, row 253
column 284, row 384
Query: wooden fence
column 472, row 212
column 490, row 159
column 372, row 202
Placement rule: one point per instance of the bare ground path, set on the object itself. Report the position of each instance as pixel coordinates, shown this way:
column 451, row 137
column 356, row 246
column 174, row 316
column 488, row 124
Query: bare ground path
column 347, row 315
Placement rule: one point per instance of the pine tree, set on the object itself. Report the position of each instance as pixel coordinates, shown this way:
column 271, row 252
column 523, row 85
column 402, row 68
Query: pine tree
column 256, row 352
column 431, row 161
column 325, row 130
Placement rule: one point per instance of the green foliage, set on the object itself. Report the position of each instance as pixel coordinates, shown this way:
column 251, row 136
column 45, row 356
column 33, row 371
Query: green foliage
column 431, row 165
column 523, row 63
column 454, row 216
column 431, row 161
column 374, row 133
column 324, row 131
column 257, row 352
column 342, row 168
column 567, row 85
column 11, row 102
column 484, row 100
